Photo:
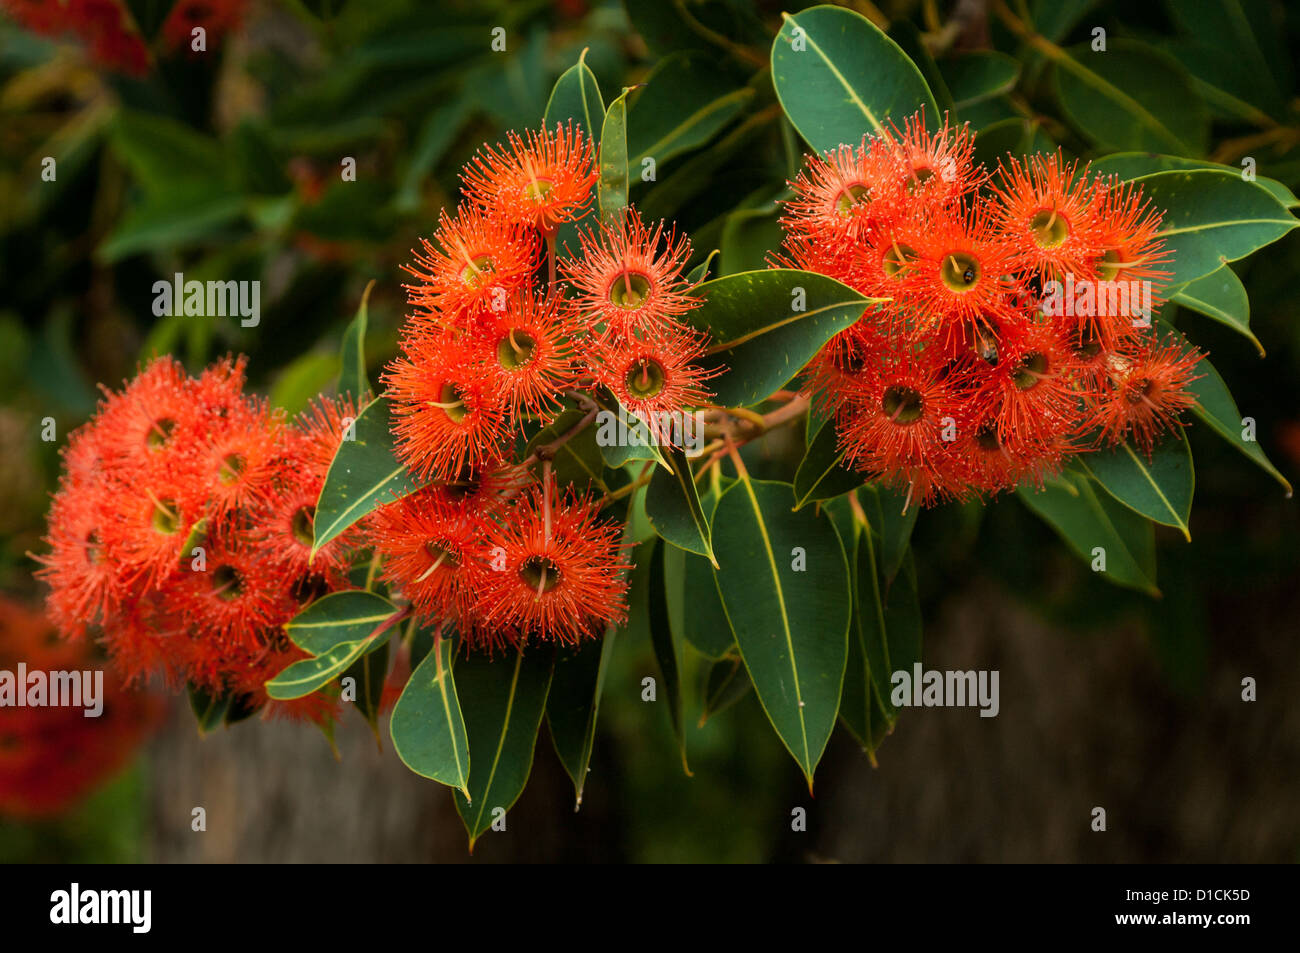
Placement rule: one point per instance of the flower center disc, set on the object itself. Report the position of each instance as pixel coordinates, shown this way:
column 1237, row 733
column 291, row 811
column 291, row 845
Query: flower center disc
column 896, row 259
column 538, row 190
column 165, row 518
column 303, row 524
column 960, row 272
column 629, row 291
column 919, row 178
column 1032, row 368
column 645, row 378
column 538, row 572
column 1049, row 228
column 1106, row 269
column 852, row 195
column 226, row 583
column 987, row 437
column 452, row 403
column 159, row 433
column 231, row 467
column 1138, row 390
column 476, row 271
column 441, row 555
column 515, row 349
column 902, row 404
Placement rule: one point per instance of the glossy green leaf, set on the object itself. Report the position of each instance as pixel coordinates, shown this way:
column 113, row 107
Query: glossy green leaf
column 576, row 96
column 578, row 460
column 1215, row 406
column 302, row 380
column 839, row 78
column 748, row 235
column 672, row 504
column 1132, row 96
column 685, row 101
column 694, row 607
column 623, row 437
column 1211, row 218
column 726, row 682
column 573, row 704
column 822, row 474
column 336, row 630
column 667, row 649
column 427, row 726
column 884, row 637
column 978, row 75
column 893, row 517
column 759, row 338
column 369, row 673
column 1220, row 295
column 1017, row 137
column 611, row 190
column 209, row 710
column 1159, row 488
column 700, row 272
column 910, row 41
column 171, row 219
column 506, row 698
column 352, row 358
column 1132, row 165
column 1095, row 525
column 365, row 474
column 784, row 583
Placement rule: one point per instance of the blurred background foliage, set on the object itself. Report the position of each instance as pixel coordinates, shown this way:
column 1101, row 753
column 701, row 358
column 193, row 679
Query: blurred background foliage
column 228, row 164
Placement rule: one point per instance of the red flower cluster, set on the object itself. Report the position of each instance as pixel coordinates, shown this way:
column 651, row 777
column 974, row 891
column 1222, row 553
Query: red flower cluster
column 182, row 527
column 501, row 334
column 1016, row 325
column 110, row 33
column 50, row 757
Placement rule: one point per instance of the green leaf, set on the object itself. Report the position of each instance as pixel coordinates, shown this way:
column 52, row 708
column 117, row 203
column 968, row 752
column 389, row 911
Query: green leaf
column 303, row 379
column 209, row 710
column 667, row 649
column 1215, row 406
column 694, row 607
column 747, row 237
column 685, row 101
column 171, row 219
column 574, row 704
column 611, row 190
column 336, row 630
column 578, row 460
column 427, row 726
column 352, row 359
column 884, row 637
column 576, row 96
column 163, row 153
column 726, row 683
column 622, row 437
column 1159, row 489
column 700, row 272
column 892, row 524
column 822, row 474
column 759, row 341
column 509, row 696
column 791, row 623
column 909, row 40
column 1131, row 96
column 1017, row 137
column 365, row 474
column 435, row 138
column 839, row 78
column 1212, row 218
column 1089, row 522
column 369, row 674
column 1221, row 296
column 672, row 505
column 1132, row 165
column 976, row 76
